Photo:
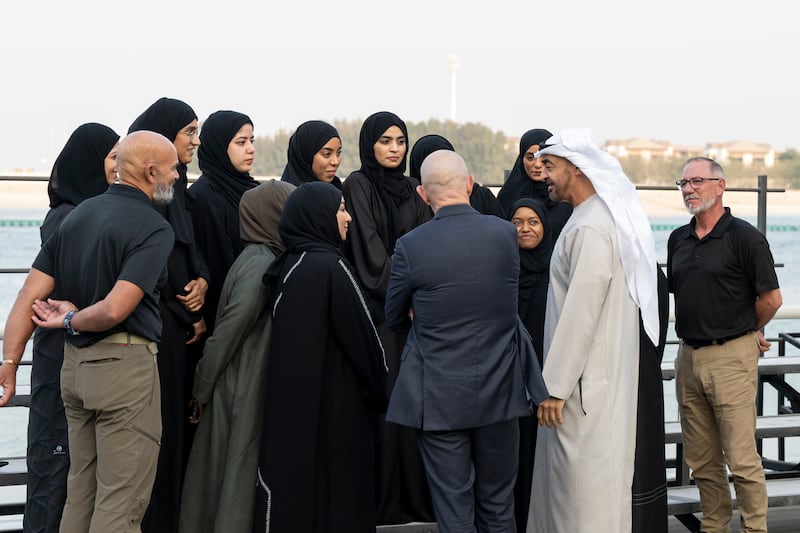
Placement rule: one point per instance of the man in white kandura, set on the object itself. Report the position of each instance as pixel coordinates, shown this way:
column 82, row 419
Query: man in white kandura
column 602, row 273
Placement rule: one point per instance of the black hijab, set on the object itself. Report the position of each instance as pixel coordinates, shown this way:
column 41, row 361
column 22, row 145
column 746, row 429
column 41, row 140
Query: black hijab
column 309, row 220
column 168, row 117
column 308, row 223
column 305, row 142
column 533, row 264
column 519, row 184
column 425, row 146
column 392, row 185
column 79, row 171
column 217, row 133
column 481, row 198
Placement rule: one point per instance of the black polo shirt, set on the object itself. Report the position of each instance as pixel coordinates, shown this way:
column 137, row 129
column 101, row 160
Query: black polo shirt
column 716, row 279
column 117, row 235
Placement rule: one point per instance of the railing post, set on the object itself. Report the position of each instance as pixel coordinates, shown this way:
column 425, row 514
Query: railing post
column 762, row 204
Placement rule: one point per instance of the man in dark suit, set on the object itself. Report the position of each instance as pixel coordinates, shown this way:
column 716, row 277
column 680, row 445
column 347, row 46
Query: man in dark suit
column 467, row 360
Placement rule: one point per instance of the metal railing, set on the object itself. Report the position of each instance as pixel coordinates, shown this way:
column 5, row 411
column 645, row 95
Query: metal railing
column 786, row 312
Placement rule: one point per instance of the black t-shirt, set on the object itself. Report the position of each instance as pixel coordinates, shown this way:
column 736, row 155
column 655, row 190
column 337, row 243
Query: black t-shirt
column 117, row 235
column 717, row 279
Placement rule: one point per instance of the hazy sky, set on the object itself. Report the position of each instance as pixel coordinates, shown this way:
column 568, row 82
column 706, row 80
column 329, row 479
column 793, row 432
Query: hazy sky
column 689, row 72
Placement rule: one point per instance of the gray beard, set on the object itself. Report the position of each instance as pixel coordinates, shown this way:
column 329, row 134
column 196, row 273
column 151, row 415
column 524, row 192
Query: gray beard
column 162, row 193
column 702, row 208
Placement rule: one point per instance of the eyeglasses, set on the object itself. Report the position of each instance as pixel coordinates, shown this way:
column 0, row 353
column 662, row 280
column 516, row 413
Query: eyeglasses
column 696, row 182
column 193, row 134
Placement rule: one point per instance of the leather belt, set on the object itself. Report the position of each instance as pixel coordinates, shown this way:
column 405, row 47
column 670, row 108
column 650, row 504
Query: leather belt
column 125, row 338
column 701, row 343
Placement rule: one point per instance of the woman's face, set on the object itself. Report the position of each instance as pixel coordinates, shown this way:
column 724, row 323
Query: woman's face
column 186, row 141
column 391, row 148
column 529, row 228
column 110, row 165
column 343, row 220
column 533, row 166
column 326, row 161
column 241, row 150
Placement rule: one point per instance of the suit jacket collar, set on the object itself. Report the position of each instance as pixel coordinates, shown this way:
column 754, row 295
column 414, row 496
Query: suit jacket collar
column 458, row 209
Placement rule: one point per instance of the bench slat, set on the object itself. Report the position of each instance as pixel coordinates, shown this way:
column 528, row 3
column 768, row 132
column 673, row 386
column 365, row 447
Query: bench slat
column 686, row 500
column 766, row 427
column 766, row 366
column 14, row 473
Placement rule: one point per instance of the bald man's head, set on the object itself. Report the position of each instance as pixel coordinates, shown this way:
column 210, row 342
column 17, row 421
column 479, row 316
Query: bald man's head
column 445, row 179
column 148, row 161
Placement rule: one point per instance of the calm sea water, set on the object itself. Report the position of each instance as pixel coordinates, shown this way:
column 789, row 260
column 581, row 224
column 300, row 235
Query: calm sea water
column 20, row 244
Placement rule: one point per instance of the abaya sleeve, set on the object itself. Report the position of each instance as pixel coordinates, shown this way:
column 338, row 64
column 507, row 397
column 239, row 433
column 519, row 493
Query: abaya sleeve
column 243, row 303
column 214, row 243
column 196, row 259
column 365, row 240
column 199, row 266
column 358, row 338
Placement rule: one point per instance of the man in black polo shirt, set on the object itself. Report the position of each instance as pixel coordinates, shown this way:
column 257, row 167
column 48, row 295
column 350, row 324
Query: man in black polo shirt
column 103, row 269
column 721, row 271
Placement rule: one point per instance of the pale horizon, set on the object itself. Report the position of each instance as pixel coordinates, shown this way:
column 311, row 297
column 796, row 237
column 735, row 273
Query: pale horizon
column 690, row 73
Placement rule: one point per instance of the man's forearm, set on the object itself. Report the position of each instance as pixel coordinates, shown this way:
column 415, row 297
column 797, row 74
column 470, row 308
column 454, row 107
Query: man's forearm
column 767, row 304
column 19, row 326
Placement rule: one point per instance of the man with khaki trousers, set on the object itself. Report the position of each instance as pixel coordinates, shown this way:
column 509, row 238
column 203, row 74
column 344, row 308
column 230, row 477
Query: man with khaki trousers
column 98, row 277
column 721, row 271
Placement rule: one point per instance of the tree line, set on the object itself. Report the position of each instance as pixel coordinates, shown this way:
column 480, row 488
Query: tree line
column 490, row 155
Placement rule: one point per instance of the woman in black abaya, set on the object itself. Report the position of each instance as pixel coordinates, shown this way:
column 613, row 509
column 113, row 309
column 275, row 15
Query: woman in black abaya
column 481, row 198
column 385, row 205
column 313, row 154
column 84, row 168
column 525, row 181
column 225, row 158
column 181, row 302
column 530, row 217
column 326, row 379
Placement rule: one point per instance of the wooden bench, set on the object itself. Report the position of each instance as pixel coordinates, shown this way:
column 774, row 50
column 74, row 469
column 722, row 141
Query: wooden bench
column 767, row 366
column 775, row 426
column 13, row 473
column 772, row 426
column 12, row 489
column 683, row 502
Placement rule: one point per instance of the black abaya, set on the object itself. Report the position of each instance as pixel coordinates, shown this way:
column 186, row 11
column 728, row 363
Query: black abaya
column 325, row 384
column 534, row 277
column 385, row 205
column 215, row 212
column 649, row 490
column 168, row 117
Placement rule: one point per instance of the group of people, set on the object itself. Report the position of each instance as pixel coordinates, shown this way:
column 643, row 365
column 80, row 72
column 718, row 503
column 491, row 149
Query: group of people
column 325, row 354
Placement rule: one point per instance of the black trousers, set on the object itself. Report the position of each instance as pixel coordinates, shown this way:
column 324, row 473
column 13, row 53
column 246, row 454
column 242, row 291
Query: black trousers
column 471, row 474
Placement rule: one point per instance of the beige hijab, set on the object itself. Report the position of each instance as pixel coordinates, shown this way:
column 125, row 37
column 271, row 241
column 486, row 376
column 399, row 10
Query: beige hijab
column 259, row 212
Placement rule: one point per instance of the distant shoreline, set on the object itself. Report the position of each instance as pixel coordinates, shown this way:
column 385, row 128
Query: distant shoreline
column 657, row 204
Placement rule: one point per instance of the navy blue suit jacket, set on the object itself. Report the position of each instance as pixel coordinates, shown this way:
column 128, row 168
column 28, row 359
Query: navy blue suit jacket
column 462, row 364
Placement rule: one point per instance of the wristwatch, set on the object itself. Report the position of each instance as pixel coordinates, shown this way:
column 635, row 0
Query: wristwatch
column 67, row 325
